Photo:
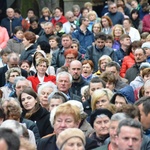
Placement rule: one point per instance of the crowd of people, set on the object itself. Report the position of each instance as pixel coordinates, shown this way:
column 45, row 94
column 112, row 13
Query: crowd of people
column 76, row 80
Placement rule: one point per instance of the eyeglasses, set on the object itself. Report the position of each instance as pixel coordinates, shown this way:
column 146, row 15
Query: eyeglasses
column 70, row 58
column 71, row 17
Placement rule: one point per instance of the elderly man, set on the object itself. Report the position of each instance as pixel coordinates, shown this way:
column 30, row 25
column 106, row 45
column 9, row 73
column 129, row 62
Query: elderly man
column 13, row 61
column 64, row 82
column 10, row 22
column 62, row 117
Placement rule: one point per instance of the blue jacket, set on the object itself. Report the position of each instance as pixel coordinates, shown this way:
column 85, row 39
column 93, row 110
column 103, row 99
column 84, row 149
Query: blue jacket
column 85, row 40
column 6, row 23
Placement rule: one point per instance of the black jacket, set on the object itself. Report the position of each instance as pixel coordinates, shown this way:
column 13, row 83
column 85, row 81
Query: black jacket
column 3, row 70
column 41, row 118
column 49, row 143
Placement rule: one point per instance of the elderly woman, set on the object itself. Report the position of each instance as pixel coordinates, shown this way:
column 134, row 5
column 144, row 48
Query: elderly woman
column 100, row 121
column 55, row 99
column 102, row 64
column 43, row 92
column 28, row 41
column 87, row 70
column 41, row 75
column 10, row 75
column 71, row 139
column 32, row 110
column 101, row 98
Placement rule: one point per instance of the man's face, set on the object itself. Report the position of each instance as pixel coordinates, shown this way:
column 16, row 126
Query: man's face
column 119, row 101
column 75, row 70
column 58, row 13
column 113, row 70
column 63, row 83
column 66, row 42
column 126, row 42
column 129, row 138
column 30, row 14
column 113, row 131
column 20, row 86
column 145, row 119
column 113, row 8
column 139, row 55
column 126, row 24
column 95, row 86
column 48, row 29
column 10, row 13
column 100, row 43
column 12, row 63
column 64, row 121
column 110, row 85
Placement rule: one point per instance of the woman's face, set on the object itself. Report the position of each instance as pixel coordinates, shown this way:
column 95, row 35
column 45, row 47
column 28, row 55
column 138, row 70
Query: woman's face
column 69, row 58
column 25, row 66
column 134, row 16
column 86, row 70
column 19, row 35
column 120, row 101
column 103, row 64
column 117, row 32
column 34, row 25
column 102, row 102
column 26, row 42
column 41, row 68
column 74, row 143
column 54, row 103
column 28, row 101
column 12, row 76
column 92, row 17
column 105, row 22
column 96, row 28
column 75, row 46
column 53, row 43
column 101, row 125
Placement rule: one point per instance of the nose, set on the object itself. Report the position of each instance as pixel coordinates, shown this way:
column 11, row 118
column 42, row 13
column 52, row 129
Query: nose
column 63, row 124
column 103, row 124
column 130, row 142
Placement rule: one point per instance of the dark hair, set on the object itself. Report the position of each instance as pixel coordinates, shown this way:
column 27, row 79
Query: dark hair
column 24, row 61
column 145, row 100
column 31, row 9
column 130, row 123
column 122, row 37
column 18, row 28
column 44, row 46
column 101, row 36
column 134, row 11
column 2, row 114
column 110, row 37
column 108, row 77
column 16, row 10
column 60, row 24
column 98, row 80
column 83, row 8
column 11, row 138
column 5, row 51
column 34, row 19
column 113, row 64
column 59, row 8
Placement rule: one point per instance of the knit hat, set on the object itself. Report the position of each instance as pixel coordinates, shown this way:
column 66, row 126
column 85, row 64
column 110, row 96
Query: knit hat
column 144, row 65
column 146, row 45
column 67, row 134
column 98, row 112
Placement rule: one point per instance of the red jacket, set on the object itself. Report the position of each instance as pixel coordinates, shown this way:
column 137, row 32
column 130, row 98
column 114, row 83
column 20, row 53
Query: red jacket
column 146, row 23
column 35, row 81
column 128, row 61
column 62, row 20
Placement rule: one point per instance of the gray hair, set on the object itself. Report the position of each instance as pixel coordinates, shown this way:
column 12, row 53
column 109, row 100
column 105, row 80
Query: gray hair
column 64, row 73
column 147, row 84
column 13, row 125
column 21, row 78
column 48, row 24
column 119, row 117
column 130, row 123
column 47, row 85
column 68, row 13
column 13, row 56
column 7, row 74
column 57, row 95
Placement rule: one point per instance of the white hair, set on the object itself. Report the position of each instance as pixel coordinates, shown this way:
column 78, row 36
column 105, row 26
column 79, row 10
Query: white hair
column 64, row 73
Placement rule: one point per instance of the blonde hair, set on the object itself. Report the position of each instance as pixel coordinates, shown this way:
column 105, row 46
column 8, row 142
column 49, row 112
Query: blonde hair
column 97, row 94
column 104, row 57
column 92, row 13
column 148, row 38
column 42, row 60
column 117, row 26
column 46, row 9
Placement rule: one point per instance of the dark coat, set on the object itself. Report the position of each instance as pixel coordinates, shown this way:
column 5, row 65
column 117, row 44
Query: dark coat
column 58, row 59
column 41, row 118
column 27, row 54
column 33, row 127
column 92, row 53
column 3, row 70
column 49, row 143
column 87, row 106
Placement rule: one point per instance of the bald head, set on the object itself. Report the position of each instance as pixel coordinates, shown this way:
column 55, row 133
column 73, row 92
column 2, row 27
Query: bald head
column 10, row 13
column 75, row 69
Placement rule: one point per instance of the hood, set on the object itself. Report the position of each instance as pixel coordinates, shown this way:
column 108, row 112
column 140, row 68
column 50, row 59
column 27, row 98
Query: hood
column 38, row 51
column 127, row 92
